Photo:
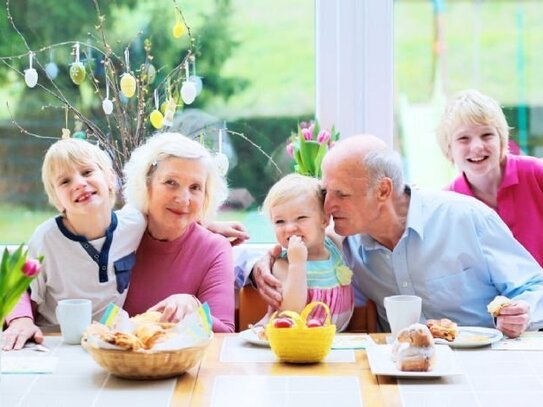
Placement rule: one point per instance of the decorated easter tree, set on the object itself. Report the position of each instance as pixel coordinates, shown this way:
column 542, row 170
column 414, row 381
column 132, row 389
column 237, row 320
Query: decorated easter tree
column 136, row 98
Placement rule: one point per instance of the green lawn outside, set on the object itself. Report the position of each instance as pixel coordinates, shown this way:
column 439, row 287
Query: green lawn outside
column 17, row 223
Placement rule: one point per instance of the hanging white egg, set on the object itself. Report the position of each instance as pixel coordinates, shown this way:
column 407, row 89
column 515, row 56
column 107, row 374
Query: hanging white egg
column 188, row 92
column 107, row 106
column 197, row 80
column 51, row 70
column 31, row 77
column 221, row 160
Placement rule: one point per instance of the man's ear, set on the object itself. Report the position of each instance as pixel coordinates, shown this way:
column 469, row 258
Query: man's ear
column 384, row 189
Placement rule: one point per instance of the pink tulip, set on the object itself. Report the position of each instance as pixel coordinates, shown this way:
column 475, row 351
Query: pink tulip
column 323, row 137
column 311, row 128
column 304, row 125
column 308, row 134
column 31, row 267
column 290, row 149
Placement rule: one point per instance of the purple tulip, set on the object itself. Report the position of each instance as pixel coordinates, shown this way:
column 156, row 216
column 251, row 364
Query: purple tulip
column 324, row 137
column 304, row 125
column 307, row 133
column 31, row 267
column 290, row 150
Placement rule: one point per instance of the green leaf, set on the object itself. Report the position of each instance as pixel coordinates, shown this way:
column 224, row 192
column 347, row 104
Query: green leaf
column 323, row 148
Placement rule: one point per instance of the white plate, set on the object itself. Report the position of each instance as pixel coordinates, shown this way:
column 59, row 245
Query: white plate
column 380, row 358
column 249, row 335
column 473, row 337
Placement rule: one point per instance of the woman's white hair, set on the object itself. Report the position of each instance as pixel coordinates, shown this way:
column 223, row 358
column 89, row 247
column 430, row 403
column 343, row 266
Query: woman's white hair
column 144, row 159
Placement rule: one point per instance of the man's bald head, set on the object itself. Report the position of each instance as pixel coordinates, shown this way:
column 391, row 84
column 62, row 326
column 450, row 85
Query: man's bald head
column 365, row 156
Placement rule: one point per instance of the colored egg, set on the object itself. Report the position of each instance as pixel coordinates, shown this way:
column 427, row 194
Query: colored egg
column 51, row 70
column 31, row 77
column 188, row 92
column 107, row 106
column 77, row 73
column 222, row 163
column 128, row 85
column 178, row 29
column 157, row 119
column 80, row 135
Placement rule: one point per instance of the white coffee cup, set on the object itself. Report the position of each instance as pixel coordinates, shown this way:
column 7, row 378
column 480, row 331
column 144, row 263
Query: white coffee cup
column 402, row 311
column 74, row 316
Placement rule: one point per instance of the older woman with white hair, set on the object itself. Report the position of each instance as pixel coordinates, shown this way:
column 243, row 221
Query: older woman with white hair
column 175, row 182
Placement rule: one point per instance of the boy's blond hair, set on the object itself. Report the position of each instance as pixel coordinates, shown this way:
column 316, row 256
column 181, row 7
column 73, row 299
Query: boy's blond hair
column 292, row 186
column 471, row 107
column 64, row 155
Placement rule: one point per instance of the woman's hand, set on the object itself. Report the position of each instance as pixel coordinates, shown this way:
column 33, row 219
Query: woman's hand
column 235, row 232
column 176, row 307
column 19, row 331
column 268, row 285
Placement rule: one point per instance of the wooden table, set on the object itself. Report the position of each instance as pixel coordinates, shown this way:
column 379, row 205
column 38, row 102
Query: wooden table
column 194, row 389
column 78, row 380
column 235, row 374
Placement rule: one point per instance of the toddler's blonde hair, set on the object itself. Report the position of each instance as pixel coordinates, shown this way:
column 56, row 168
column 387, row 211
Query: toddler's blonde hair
column 292, row 186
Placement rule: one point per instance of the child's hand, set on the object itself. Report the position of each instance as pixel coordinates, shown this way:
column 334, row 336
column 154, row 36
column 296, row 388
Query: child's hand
column 297, row 250
column 19, row 331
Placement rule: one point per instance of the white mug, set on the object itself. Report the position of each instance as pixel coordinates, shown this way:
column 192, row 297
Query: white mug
column 74, row 316
column 402, row 311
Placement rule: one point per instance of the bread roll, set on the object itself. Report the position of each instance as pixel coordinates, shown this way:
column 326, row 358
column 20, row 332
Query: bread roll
column 413, row 350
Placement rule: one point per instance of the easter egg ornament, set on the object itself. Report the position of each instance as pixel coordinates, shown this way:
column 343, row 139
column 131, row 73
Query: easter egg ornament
column 31, row 75
column 81, row 135
column 128, row 85
column 128, row 82
column 51, row 70
column 188, row 89
column 221, row 160
column 107, row 105
column 179, row 28
column 188, row 92
column 156, row 118
column 150, row 73
column 77, row 70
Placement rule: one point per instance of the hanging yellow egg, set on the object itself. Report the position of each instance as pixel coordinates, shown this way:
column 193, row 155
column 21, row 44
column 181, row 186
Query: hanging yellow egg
column 156, row 119
column 178, row 29
column 128, row 85
column 77, row 73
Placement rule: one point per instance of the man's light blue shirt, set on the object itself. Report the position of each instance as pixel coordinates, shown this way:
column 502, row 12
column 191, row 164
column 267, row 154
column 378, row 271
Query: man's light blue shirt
column 456, row 253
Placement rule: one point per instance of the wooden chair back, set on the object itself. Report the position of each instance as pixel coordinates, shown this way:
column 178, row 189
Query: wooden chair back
column 252, row 308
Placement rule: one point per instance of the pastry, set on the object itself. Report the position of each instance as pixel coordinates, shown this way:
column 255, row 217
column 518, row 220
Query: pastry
column 443, row 328
column 496, row 305
column 413, row 350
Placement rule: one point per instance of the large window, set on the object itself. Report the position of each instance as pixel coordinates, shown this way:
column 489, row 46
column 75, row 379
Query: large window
column 257, row 63
column 442, row 47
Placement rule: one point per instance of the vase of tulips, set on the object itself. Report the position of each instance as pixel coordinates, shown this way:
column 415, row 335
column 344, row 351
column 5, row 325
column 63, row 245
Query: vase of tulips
column 309, row 145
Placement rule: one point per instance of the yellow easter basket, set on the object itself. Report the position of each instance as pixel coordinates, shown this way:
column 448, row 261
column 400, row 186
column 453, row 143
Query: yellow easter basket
column 299, row 343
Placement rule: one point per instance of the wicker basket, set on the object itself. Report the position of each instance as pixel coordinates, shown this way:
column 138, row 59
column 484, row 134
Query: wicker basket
column 147, row 365
column 300, row 344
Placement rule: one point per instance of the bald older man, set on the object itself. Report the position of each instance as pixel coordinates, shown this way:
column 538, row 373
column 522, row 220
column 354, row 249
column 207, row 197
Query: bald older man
column 449, row 249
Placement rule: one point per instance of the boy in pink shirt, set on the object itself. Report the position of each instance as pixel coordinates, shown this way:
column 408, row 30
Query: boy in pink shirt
column 473, row 134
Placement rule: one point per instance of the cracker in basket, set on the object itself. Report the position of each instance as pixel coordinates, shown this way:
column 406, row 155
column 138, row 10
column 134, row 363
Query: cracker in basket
column 151, row 317
column 126, row 341
column 150, row 334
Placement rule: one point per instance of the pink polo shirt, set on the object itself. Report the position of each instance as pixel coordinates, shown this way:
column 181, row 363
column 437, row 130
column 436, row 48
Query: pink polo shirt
column 520, row 200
